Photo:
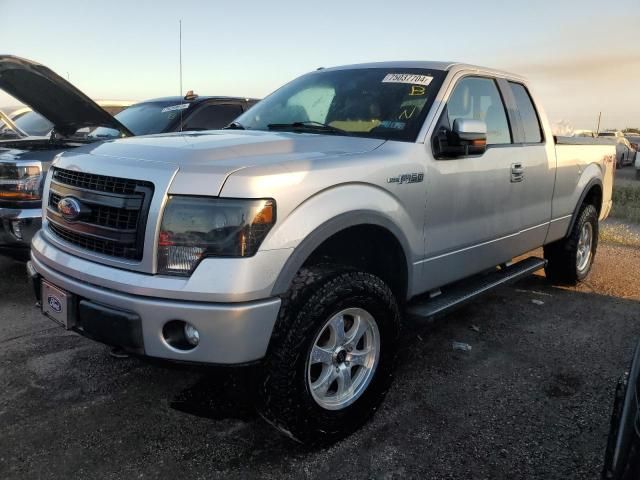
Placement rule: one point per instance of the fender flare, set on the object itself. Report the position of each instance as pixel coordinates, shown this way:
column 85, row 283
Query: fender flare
column 585, row 190
column 329, row 228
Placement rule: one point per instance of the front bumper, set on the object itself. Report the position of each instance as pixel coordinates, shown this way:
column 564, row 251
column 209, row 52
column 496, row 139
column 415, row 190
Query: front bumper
column 18, row 226
column 230, row 333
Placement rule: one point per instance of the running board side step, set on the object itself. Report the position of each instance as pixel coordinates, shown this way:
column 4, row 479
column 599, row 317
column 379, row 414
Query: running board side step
column 457, row 295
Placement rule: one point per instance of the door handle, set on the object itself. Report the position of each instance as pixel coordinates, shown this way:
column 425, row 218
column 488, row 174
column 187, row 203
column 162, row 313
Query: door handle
column 517, row 173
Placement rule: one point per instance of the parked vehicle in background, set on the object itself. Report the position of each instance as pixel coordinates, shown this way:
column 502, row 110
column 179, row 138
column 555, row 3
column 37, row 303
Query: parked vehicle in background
column 66, row 119
column 611, row 133
column 25, row 160
column 622, row 456
column 625, row 154
column 295, row 239
column 634, row 140
column 585, row 133
column 36, row 125
column 174, row 114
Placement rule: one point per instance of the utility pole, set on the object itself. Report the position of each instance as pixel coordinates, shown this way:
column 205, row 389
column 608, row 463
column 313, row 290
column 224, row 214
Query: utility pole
column 598, row 128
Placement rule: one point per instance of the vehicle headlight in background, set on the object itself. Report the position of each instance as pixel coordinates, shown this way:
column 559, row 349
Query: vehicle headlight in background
column 20, row 182
column 197, row 227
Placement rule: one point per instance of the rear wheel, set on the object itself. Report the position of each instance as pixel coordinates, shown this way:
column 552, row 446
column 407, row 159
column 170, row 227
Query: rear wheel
column 331, row 359
column 570, row 259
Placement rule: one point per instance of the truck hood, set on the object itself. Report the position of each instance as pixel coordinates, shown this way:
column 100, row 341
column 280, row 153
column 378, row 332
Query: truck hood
column 53, row 97
column 202, row 161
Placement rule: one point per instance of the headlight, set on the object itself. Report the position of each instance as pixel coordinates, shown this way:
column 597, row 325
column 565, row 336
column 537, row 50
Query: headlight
column 197, row 227
column 20, row 182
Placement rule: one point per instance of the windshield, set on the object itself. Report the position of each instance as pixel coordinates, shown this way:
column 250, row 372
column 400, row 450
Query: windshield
column 145, row 118
column 387, row 103
column 34, row 124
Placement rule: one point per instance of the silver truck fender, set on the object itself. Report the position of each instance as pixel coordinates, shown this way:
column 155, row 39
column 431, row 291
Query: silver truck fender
column 588, row 184
column 334, row 210
column 324, row 232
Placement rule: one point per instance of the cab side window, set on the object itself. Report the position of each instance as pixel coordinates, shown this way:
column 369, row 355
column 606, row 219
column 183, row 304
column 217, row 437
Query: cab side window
column 478, row 98
column 213, row 117
column 528, row 115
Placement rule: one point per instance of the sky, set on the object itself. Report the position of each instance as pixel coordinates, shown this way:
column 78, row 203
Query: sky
column 581, row 57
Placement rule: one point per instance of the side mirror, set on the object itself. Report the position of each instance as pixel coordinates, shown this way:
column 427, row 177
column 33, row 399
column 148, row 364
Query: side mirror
column 468, row 137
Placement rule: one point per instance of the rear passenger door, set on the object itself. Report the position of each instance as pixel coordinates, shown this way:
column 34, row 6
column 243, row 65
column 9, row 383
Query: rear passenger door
column 537, row 163
column 473, row 207
column 213, row 116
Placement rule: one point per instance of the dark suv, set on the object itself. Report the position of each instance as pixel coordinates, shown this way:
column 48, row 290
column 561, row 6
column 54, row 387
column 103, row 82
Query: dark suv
column 174, row 114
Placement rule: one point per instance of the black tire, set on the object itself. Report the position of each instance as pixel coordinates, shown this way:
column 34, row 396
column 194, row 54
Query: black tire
column 561, row 256
column 638, row 174
column 318, row 293
column 631, row 460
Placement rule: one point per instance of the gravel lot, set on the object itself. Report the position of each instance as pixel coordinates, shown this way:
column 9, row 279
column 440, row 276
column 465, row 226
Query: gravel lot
column 530, row 400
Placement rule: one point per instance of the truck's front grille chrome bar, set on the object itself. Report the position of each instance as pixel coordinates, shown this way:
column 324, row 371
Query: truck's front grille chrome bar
column 114, row 213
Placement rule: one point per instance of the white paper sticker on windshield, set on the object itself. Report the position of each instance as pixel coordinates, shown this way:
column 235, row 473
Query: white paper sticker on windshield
column 411, row 78
column 175, row 107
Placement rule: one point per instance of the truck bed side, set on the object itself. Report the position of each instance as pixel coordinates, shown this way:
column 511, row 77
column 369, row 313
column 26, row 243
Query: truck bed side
column 582, row 163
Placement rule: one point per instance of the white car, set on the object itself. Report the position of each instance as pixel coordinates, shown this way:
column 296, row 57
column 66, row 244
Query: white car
column 634, row 140
column 625, row 153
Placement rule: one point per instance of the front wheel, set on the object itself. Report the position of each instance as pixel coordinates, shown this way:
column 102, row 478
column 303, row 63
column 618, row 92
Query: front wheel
column 570, row 259
column 331, row 360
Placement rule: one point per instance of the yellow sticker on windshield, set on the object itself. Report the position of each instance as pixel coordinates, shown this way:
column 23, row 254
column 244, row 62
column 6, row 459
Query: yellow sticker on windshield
column 411, row 78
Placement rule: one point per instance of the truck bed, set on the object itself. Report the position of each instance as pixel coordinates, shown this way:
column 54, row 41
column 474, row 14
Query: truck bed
column 574, row 156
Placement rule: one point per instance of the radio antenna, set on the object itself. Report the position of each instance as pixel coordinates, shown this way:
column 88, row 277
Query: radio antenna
column 180, row 48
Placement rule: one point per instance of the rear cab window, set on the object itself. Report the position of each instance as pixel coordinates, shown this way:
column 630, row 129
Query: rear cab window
column 531, row 126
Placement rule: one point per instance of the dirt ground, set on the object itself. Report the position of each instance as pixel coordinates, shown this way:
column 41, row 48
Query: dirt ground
column 531, row 399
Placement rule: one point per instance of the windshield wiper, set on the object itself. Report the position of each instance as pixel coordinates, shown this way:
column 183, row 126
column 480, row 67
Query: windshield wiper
column 234, row 126
column 307, row 125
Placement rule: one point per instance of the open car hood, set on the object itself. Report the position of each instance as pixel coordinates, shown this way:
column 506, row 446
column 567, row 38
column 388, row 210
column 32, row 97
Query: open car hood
column 53, row 97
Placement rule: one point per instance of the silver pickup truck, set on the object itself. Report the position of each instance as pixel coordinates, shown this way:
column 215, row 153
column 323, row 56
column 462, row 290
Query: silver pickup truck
column 297, row 239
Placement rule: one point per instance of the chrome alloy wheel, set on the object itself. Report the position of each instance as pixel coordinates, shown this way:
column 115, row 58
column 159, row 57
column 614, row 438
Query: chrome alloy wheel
column 585, row 243
column 343, row 358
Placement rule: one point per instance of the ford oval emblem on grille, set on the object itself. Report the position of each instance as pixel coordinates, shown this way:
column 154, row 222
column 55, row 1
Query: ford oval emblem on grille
column 70, row 208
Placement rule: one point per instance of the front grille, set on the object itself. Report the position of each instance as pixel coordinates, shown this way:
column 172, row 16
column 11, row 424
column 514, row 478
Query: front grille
column 113, row 216
column 97, row 183
column 106, row 247
column 106, row 216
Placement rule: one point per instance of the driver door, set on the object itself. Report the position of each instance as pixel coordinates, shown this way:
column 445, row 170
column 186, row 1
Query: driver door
column 472, row 213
